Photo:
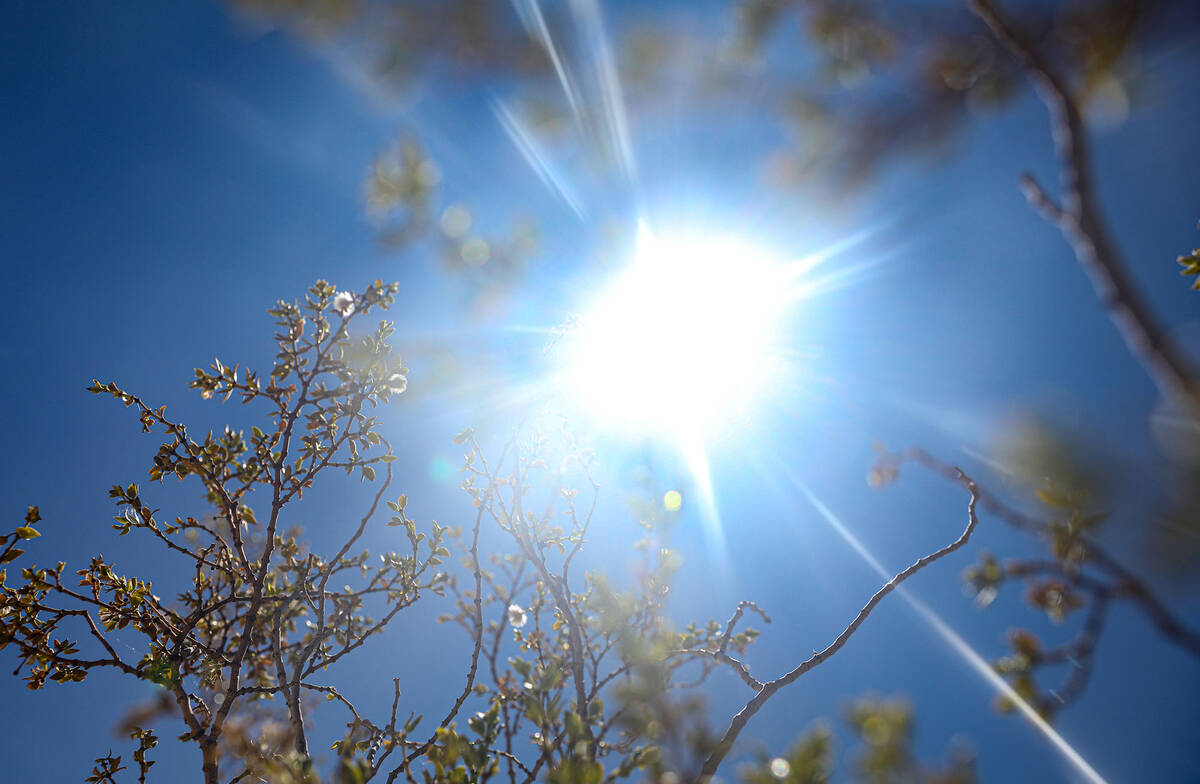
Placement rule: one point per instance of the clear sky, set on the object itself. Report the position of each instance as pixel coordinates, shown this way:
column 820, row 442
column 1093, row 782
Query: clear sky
column 169, row 173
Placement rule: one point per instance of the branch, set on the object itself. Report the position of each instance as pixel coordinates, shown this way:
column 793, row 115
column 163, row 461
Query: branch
column 737, row 616
column 1128, row 585
column 1081, row 221
column 422, row 748
column 769, row 689
column 720, row 656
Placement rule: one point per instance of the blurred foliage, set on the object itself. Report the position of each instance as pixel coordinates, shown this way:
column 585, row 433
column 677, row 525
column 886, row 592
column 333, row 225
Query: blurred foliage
column 853, row 85
column 809, row 761
column 1075, row 581
column 403, row 198
column 1064, row 475
column 901, row 78
column 1173, row 540
column 397, row 41
column 885, row 731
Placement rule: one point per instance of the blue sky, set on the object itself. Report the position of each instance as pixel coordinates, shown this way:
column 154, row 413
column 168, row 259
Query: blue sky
column 169, row 173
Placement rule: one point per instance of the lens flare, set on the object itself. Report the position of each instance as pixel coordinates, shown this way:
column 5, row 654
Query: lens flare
column 682, row 341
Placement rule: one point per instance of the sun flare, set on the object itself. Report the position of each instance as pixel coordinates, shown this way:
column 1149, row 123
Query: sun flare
column 682, row 341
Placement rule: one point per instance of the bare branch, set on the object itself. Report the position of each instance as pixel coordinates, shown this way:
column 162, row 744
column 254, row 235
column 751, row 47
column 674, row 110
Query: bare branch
column 768, row 690
column 1036, row 195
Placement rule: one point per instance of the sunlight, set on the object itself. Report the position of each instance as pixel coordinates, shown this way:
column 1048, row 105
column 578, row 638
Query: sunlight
column 681, row 343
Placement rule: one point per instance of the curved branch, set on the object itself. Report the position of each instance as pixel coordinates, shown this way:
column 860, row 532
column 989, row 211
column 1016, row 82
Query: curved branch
column 768, row 690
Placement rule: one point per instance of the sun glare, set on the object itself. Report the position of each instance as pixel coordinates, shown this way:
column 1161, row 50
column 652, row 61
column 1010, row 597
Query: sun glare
column 681, row 342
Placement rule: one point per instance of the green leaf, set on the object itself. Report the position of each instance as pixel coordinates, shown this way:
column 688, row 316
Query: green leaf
column 25, row 532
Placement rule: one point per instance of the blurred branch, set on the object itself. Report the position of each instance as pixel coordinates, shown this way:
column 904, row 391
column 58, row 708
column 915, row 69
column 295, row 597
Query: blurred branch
column 1127, row 584
column 1081, row 220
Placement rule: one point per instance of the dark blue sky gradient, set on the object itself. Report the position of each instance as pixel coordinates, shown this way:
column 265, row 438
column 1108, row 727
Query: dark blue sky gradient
column 168, row 175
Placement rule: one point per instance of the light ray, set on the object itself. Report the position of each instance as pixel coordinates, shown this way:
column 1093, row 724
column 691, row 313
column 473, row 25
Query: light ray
column 831, row 281
column 960, row 646
column 807, row 264
column 804, row 284
column 535, row 25
column 535, row 156
column 695, row 455
column 591, row 24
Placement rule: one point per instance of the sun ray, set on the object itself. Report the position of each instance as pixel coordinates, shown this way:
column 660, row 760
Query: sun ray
column 536, row 157
column 695, row 455
column 531, row 16
column 591, row 25
column 960, row 646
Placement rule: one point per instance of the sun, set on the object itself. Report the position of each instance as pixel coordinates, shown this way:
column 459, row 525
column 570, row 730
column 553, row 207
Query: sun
column 682, row 342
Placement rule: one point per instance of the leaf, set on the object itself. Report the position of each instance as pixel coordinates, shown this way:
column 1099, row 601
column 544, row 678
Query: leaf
column 26, row 532
column 11, row 556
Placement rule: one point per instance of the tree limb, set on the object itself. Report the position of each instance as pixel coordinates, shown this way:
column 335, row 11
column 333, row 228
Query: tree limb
column 1081, row 220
